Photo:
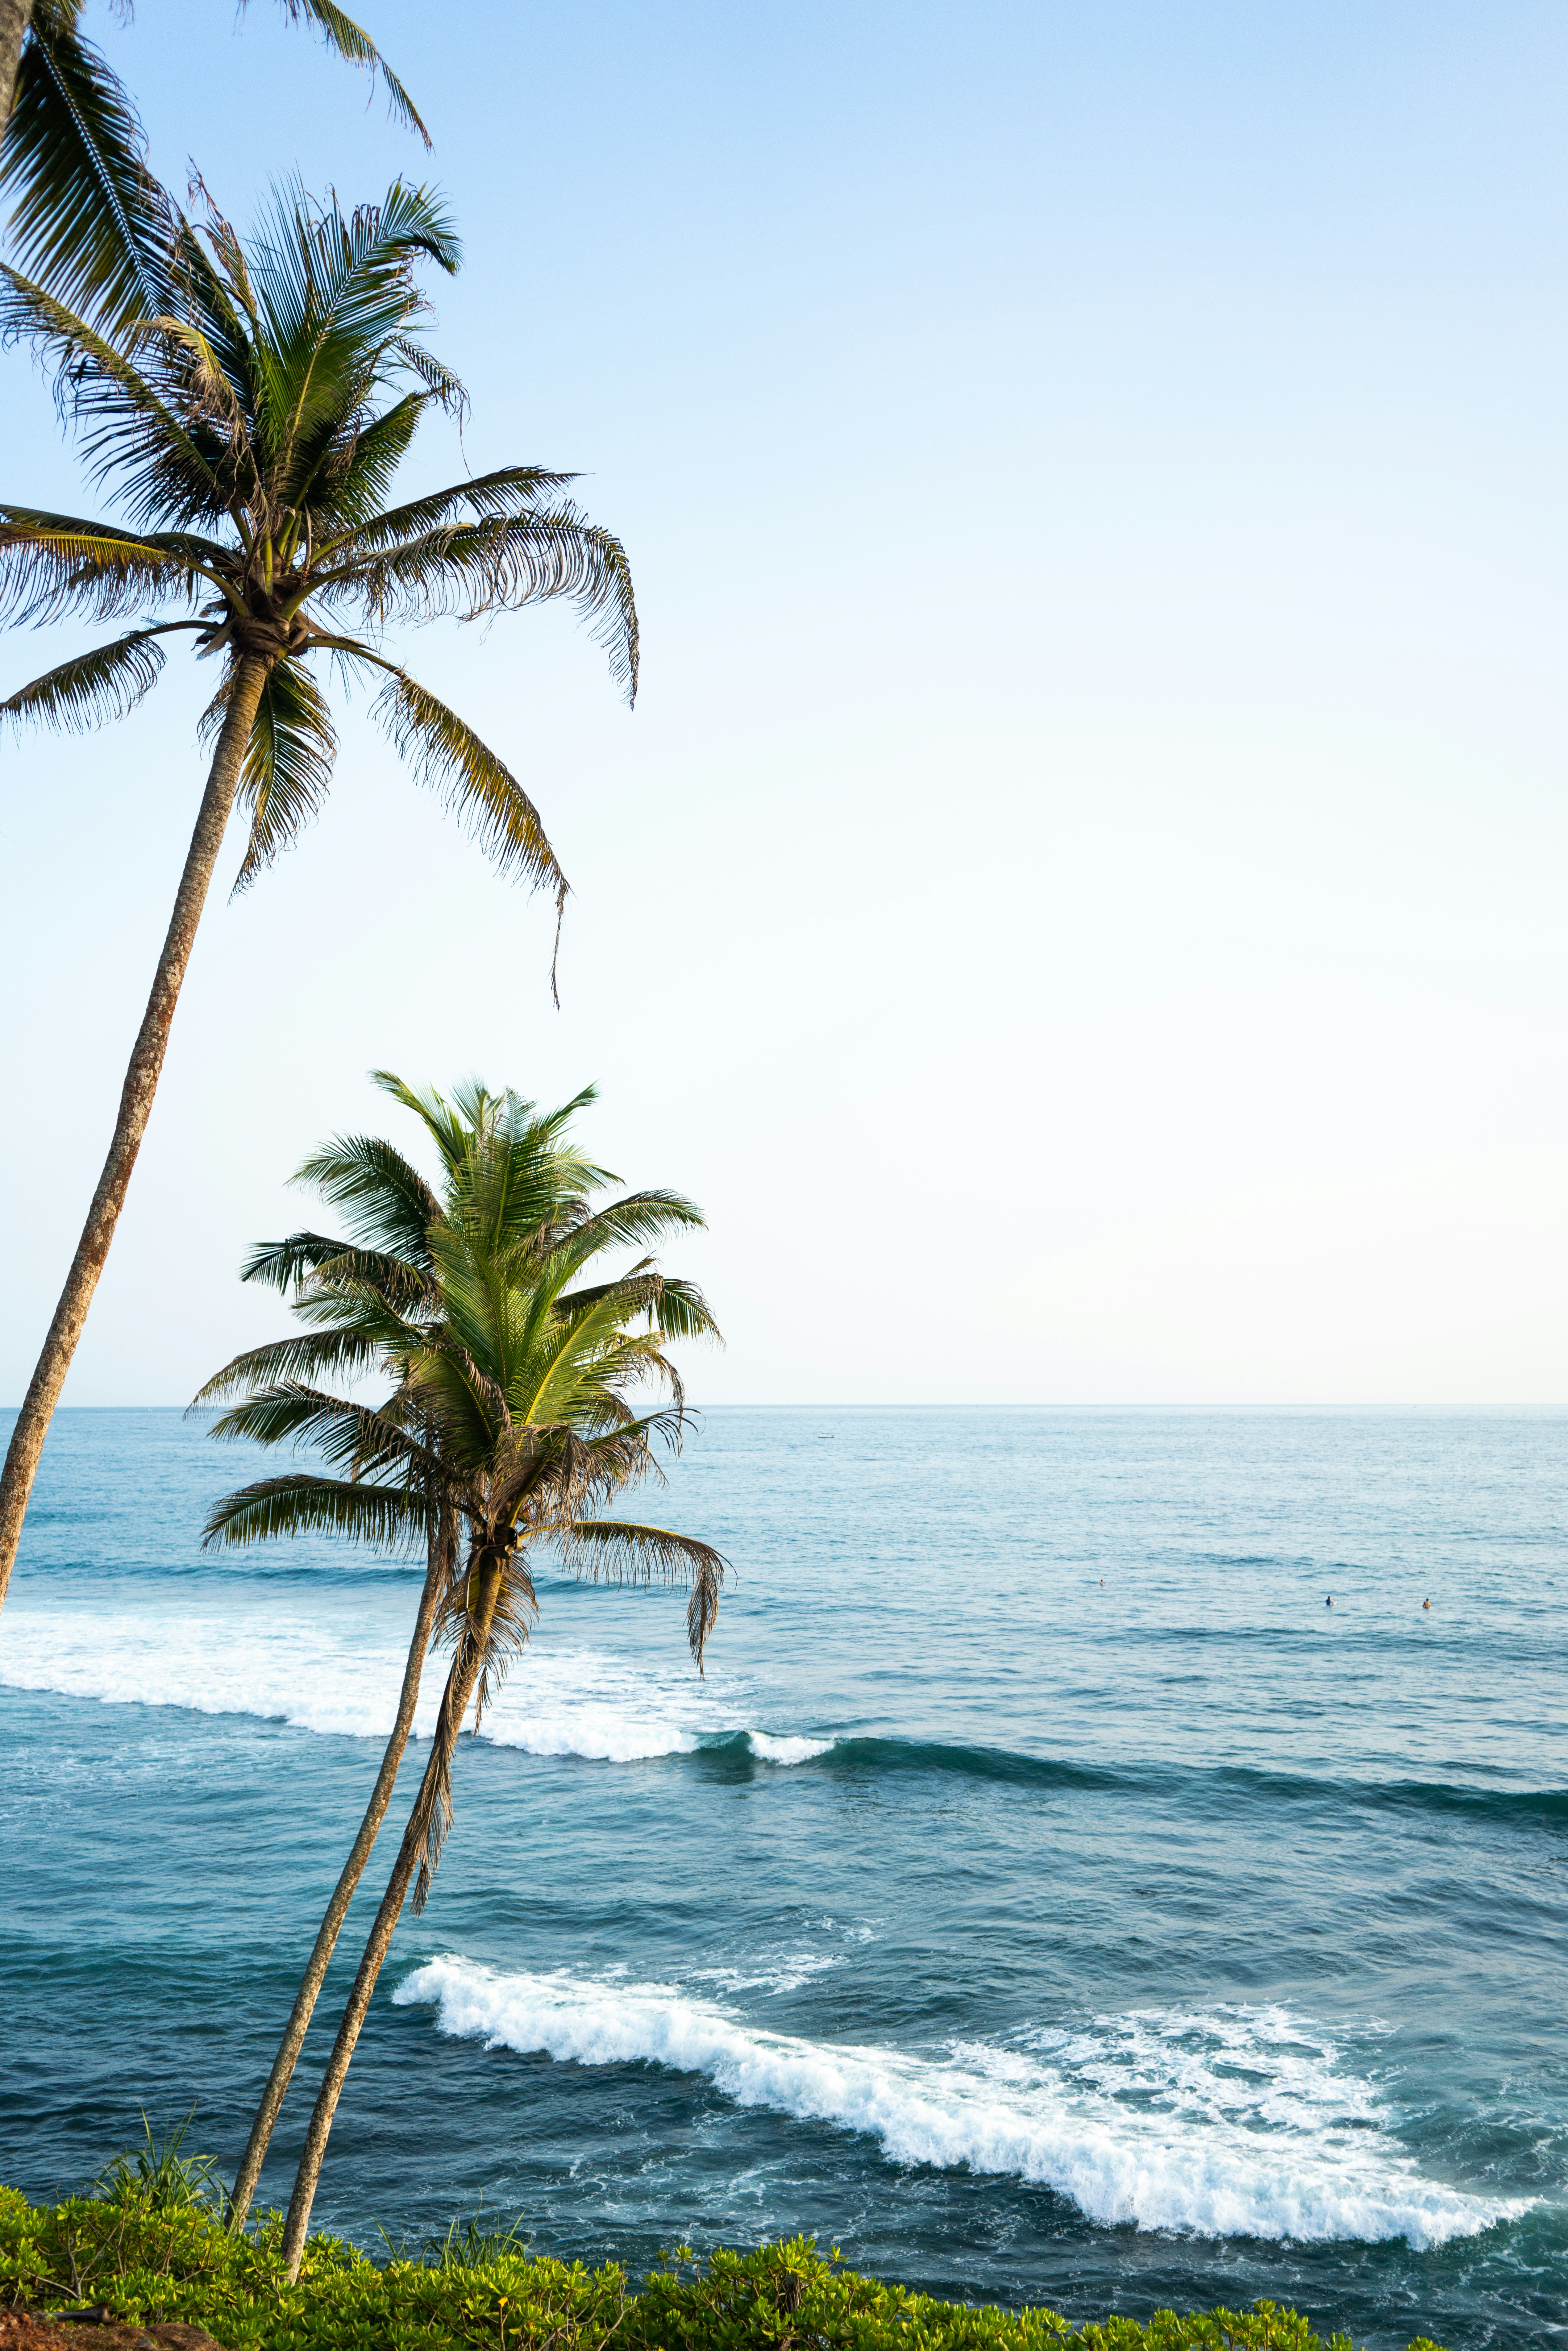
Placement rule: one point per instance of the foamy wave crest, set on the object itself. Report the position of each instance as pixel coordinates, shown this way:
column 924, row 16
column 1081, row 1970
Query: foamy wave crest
column 1231, row 2122
column 770, row 1749
column 337, row 1669
column 583, row 1702
column 319, row 1673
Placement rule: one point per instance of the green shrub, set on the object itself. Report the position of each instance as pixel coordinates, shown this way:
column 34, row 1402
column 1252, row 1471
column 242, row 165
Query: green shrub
column 143, row 2250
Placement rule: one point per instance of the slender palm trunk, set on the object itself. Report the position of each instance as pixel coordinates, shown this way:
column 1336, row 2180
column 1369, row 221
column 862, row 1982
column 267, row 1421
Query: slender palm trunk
column 135, row 1105
column 455, row 1700
column 13, row 19
column 305, row 2000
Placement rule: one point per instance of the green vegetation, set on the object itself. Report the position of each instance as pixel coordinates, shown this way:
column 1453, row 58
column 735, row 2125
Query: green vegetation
column 511, row 1353
column 73, row 159
column 470, row 2291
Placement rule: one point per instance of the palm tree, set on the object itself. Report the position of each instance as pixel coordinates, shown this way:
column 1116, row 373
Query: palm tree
column 73, row 151
column 253, row 438
column 508, row 1416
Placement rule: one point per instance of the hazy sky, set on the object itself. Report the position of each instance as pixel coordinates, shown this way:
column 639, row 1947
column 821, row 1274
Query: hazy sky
column 1079, row 900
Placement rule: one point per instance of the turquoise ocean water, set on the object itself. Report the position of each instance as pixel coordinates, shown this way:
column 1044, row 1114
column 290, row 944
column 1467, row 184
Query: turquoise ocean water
column 1046, row 1897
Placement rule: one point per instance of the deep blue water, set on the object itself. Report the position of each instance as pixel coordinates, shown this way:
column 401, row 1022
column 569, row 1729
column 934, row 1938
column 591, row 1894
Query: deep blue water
column 1046, row 1897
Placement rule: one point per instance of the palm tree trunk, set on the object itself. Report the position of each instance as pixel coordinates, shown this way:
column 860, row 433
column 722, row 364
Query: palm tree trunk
column 13, row 19
column 455, row 1700
column 305, row 2001
column 135, row 1105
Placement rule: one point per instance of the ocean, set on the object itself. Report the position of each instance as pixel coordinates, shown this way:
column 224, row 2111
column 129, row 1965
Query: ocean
column 1045, row 1898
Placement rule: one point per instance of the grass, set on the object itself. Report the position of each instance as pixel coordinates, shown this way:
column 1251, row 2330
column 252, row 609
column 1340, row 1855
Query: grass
column 148, row 2244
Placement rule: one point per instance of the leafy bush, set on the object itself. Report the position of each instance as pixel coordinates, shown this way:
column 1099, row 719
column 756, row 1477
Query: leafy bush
column 142, row 2251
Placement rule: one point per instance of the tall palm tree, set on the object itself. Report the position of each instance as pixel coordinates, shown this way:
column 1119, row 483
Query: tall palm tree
column 253, row 438
column 508, row 1416
column 72, row 151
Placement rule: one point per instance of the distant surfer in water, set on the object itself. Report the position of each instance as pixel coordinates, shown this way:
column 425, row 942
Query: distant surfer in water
column 1425, row 1603
column 1329, row 1602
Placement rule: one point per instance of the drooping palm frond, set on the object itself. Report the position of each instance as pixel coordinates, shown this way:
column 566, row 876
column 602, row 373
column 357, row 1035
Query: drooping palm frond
column 500, row 563
column 447, row 754
column 93, row 688
column 369, row 1443
column 511, row 489
column 340, row 32
column 621, row 1552
column 288, row 765
column 90, row 221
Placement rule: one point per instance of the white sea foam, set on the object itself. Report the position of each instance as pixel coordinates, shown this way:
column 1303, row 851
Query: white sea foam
column 335, row 1667
column 1228, row 2122
column 786, row 1750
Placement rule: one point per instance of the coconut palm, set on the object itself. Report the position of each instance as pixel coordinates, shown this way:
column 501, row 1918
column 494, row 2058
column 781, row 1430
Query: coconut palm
column 253, row 438
column 508, row 1425
column 73, row 154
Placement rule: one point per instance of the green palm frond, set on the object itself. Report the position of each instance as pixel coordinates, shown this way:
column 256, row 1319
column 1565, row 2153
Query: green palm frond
column 90, row 222
column 170, row 465
column 321, row 1355
column 389, row 1204
column 54, row 564
column 620, row 1553
column 511, row 489
column 288, row 765
column 366, row 1442
column 500, row 563
column 341, row 33
column 285, row 1264
column 677, row 1308
column 274, row 1508
column 97, row 686
column 446, row 755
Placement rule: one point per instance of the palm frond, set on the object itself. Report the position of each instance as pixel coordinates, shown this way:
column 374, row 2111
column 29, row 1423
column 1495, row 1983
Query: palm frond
column 510, row 489
column 283, row 1264
column 274, row 1508
column 364, row 1440
column 90, row 222
column 288, row 765
column 54, row 564
column 389, row 1204
column 677, row 1308
column 127, row 427
column 319, row 1354
column 621, row 1553
column 500, row 563
column 341, row 33
column 93, row 688
column 446, row 755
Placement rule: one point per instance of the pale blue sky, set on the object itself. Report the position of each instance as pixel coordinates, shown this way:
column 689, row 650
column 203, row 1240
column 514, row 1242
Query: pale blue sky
column 1079, row 900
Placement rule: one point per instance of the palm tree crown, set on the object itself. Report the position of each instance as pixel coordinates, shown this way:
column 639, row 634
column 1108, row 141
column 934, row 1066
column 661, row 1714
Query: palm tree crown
column 514, row 1377
column 253, row 432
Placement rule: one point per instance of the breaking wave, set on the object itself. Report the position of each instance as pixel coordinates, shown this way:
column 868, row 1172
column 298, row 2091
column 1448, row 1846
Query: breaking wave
column 1224, row 2122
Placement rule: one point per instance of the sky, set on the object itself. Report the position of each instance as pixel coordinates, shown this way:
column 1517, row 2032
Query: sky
column 1078, row 899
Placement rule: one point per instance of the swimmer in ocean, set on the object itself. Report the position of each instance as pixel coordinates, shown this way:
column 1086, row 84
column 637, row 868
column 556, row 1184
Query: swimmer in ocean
column 1425, row 1603
column 1329, row 1602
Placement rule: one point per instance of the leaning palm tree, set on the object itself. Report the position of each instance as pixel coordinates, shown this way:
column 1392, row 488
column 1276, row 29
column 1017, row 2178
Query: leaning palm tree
column 252, row 439
column 506, row 1416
